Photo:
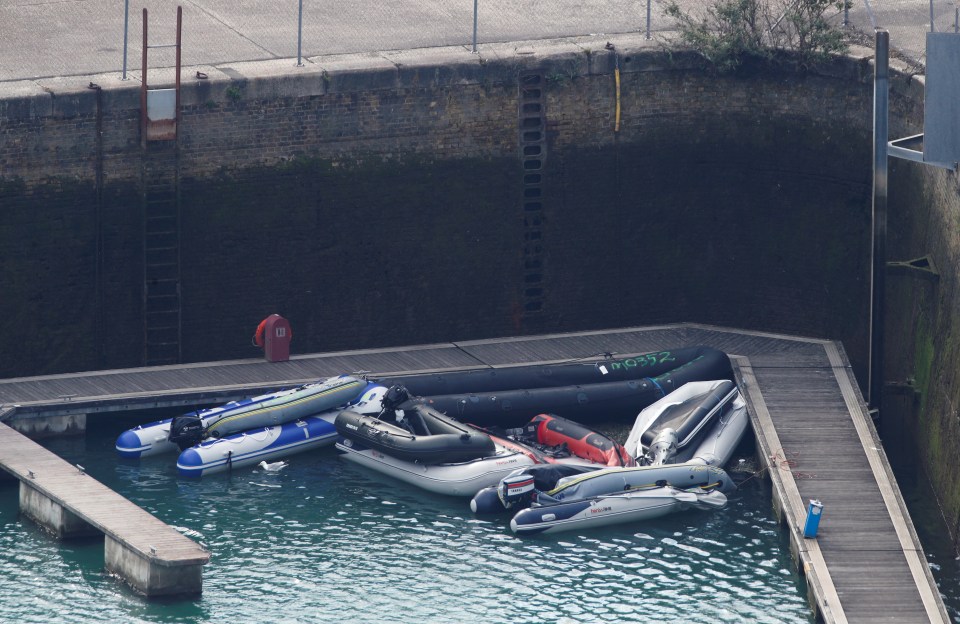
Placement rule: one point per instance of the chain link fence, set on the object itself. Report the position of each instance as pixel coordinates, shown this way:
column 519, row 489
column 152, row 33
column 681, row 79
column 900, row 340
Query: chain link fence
column 907, row 21
column 324, row 28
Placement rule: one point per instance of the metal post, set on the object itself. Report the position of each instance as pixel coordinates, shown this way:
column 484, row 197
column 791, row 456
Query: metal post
column 932, row 28
column 126, row 19
column 300, row 36
column 176, row 110
column 143, row 86
column 956, row 20
column 846, row 13
column 878, row 251
column 873, row 21
column 475, row 12
column 648, row 19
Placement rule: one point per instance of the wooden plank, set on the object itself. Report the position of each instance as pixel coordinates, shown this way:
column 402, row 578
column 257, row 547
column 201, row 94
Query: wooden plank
column 818, row 575
column 923, row 579
column 93, row 502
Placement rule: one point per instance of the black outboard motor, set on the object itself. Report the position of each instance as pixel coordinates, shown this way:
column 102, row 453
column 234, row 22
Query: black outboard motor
column 186, row 431
column 395, row 397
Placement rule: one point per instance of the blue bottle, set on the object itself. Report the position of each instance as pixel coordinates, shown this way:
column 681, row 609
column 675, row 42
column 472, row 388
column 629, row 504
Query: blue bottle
column 814, row 511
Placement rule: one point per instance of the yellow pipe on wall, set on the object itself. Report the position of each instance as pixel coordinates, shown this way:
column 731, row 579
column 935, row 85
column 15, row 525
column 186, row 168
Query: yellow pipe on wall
column 616, row 118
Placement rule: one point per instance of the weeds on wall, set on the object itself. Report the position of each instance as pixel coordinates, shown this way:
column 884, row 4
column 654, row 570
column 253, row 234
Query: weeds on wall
column 727, row 32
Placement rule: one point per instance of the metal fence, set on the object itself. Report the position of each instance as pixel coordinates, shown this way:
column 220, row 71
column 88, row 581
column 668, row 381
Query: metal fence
column 93, row 37
column 495, row 22
column 907, row 21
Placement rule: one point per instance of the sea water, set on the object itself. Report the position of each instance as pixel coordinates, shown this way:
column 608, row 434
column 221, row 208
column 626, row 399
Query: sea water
column 325, row 540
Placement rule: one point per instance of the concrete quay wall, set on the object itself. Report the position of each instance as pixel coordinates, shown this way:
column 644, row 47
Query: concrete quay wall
column 357, row 198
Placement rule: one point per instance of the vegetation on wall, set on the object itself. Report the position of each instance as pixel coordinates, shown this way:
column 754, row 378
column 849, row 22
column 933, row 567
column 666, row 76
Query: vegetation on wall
column 728, row 32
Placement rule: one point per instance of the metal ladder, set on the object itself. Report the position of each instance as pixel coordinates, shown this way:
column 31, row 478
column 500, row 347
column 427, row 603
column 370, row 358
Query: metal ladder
column 161, row 254
column 533, row 152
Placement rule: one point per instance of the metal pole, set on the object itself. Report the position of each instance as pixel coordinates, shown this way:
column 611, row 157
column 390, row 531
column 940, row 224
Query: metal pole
column 873, row 21
column 648, row 19
column 846, row 14
column 956, row 20
column 932, row 28
column 475, row 12
column 176, row 110
column 126, row 19
column 878, row 251
column 300, row 36
column 143, row 86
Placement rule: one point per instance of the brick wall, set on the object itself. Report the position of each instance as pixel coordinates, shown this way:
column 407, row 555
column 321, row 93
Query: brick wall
column 382, row 204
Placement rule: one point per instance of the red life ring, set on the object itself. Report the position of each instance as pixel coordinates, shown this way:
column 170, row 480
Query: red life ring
column 258, row 335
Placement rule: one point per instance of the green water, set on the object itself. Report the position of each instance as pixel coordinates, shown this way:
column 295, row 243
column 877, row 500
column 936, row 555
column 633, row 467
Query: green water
column 325, row 540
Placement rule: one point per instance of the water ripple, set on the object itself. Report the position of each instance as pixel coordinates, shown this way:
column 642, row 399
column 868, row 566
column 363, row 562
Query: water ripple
column 315, row 549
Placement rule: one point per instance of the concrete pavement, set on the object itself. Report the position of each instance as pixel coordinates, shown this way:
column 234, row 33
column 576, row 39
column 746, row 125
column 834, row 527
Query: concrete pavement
column 71, row 41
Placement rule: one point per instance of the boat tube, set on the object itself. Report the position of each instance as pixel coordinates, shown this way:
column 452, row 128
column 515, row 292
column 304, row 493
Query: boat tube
column 268, row 409
column 721, row 440
column 454, row 479
column 708, row 362
column 587, row 403
column 681, row 425
column 555, row 438
column 419, row 434
column 559, row 498
column 614, row 509
column 270, row 443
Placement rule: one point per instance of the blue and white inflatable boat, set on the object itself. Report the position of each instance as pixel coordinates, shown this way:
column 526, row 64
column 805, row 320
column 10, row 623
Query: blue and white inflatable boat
column 266, row 410
column 268, row 443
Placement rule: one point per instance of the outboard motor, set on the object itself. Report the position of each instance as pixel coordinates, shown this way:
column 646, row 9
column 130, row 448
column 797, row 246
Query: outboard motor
column 395, row 397
column 515, row 488
column 663, row 447
column 186, row 431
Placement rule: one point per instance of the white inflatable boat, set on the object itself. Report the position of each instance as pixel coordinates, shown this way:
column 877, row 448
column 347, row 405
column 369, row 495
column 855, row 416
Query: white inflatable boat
column 274, row 408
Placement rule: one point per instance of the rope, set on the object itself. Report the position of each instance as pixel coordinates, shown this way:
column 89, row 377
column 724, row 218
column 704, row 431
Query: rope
column 781, row 460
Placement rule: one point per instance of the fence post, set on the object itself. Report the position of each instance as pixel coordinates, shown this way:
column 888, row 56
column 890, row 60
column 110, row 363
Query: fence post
column 475, row 11
column 126, row 19
column 300, row 35
column 648, row 19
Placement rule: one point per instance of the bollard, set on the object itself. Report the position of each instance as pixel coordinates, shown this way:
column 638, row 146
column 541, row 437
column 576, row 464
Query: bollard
column 814, row 511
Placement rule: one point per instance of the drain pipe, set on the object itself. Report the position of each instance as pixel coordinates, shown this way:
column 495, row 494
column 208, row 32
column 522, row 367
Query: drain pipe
column 878, row 251
column 616, row 82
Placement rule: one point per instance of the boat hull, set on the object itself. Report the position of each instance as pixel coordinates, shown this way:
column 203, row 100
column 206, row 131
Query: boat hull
column 252, row 447
column 460, row 479
column 287, row 405
column 613, row 509
column 585, row 403
column 432, row 438
column 648, row 365
column 145, row 440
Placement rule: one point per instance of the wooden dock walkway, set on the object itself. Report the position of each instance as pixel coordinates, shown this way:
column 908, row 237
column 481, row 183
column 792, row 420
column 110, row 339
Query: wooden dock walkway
column 814, row 435
column 69, row 502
